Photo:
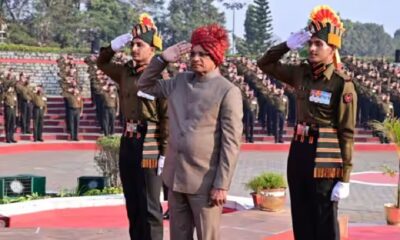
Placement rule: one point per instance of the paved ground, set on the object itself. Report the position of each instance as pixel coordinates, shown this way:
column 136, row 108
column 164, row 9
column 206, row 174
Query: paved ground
column 364, row 206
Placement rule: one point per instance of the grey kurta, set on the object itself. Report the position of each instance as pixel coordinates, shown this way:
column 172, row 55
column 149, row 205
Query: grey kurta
column 205, row 128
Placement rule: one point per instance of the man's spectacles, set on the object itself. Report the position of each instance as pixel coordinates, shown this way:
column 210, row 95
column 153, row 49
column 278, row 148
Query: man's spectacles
column 200, row 54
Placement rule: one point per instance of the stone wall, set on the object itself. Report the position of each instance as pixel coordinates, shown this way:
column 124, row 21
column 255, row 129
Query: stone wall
column 42, row 68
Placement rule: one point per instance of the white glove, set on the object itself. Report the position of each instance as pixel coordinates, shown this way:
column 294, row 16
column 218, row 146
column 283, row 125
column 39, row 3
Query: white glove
column 119, row 42
column 298, row 39
column 340, row 191
column 160, row 167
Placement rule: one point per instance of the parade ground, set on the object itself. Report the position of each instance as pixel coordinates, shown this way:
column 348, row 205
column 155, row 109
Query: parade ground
column 62, row 163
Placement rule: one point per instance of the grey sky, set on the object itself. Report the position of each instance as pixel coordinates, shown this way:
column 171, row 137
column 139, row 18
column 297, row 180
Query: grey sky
column 292, row 15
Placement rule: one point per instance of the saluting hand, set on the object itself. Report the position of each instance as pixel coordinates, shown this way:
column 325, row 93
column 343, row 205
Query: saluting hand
column 175, row 52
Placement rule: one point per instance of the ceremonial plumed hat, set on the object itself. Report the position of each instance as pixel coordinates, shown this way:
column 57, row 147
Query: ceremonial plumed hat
column 147, row 31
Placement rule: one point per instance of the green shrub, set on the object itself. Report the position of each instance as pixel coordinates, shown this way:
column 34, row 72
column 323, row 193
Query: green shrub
column 26, row 48
column 107, row 159
column 266, row 180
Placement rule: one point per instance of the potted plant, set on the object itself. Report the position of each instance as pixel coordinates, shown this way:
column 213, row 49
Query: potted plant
column 269, row 191
column 390, row 127
column 107, row 158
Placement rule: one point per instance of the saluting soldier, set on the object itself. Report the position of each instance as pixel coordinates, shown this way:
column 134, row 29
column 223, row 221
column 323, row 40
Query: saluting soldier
column 10, row 111
column 25, row 93
column 250, row 110
column 111, row 109
column 281, row 108
column 144, row 141
column 75, row 111
column 386, row 111
column 39, row 101
column 320, row 157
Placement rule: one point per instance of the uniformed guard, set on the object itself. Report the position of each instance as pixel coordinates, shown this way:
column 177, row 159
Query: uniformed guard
column 39, row 101
column 386, row 111
column 75, row 111
column 250, row 110
column 10, row 111
column 320, row 157
column 144, row 140
column 25, row 93
column 111, row 109
column 282, row 107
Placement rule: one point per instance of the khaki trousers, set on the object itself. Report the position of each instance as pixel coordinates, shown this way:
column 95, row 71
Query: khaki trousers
column 189, row 211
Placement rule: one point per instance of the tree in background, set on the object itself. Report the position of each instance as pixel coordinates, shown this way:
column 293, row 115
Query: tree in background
column 110, row 17
column 366, row 39
column 396, row 39
column 264, row 23
column 186, row 15
column 55, row 21
column 258, row 29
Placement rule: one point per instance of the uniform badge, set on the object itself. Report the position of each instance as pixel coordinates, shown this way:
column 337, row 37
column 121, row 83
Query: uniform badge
column 321, row 97
column 348, row 98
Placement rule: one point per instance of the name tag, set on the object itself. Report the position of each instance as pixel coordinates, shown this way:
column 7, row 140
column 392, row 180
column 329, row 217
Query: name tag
column 322, row 97
column 131, row 127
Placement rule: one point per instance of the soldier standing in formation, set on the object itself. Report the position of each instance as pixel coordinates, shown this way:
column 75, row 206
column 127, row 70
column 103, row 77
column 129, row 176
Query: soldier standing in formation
column 75, row 111
column 320, row 157
column 39, row 101
column 9, row 100
column 25, row 93
column 144, row 141
column 250, row 111
column 111, row 108
column 68, row 84
column 281, row 103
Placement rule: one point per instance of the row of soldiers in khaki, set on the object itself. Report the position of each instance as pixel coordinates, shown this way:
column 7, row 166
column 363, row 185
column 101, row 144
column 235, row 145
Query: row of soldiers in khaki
column 20, row 98
column 377, row 87
column 104, row 95
column 261, row 99
column 70, row 90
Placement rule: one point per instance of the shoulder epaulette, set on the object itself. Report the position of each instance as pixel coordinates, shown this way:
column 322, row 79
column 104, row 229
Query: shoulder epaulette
column 343, row 75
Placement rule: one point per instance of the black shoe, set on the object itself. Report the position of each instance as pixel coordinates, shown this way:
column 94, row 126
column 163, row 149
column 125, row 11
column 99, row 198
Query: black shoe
column 13, row 140
column 8, row 141
column 166, row 215
column 34, row 140
column 40, row 140
column 28, row 132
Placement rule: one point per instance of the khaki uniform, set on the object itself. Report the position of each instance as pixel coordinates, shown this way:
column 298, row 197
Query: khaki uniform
column 111, row 108
column 10, row 111
column 25, row 97
column 39, row 110
column 281, row 104
column 75, row 109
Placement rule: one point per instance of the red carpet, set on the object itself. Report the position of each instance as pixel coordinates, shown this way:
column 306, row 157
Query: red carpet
column 89, row 146
column 42, row 147
column 285, row 147
column 356, row 233
column 91, row 217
